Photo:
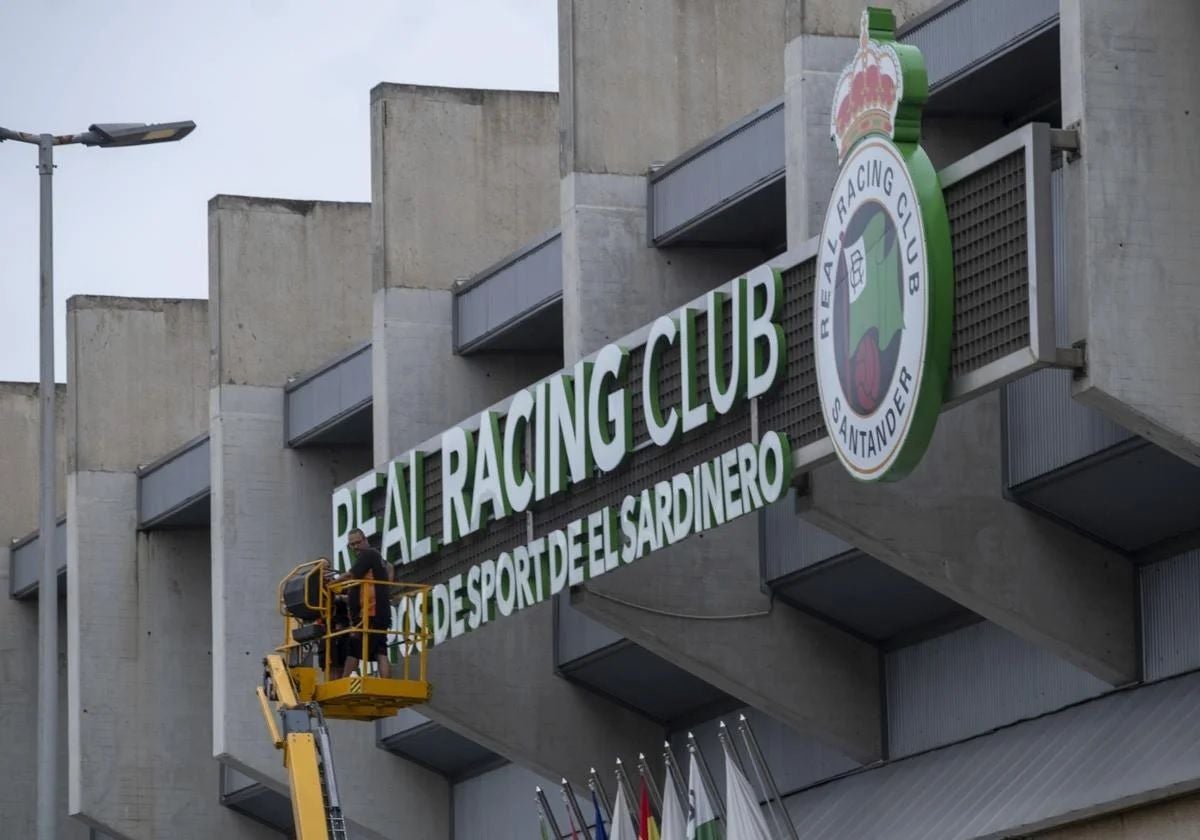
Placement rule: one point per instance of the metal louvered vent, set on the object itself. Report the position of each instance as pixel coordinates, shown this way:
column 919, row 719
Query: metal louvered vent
column 991, row 264
column 794, row 407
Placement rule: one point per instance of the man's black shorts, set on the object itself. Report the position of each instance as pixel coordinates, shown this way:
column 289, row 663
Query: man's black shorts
column 376, row 643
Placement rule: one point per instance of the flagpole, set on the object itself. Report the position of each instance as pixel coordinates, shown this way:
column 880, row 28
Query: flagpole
column 573, row 808
column 727, row 745
column 596, row 786
column 758, row 759
column 651, row 785
column 706, row 775
column 675, row 774
column 623, row 783
column 546, row 813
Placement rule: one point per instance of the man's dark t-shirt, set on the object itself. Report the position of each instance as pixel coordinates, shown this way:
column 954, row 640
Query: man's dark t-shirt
column 369, row 564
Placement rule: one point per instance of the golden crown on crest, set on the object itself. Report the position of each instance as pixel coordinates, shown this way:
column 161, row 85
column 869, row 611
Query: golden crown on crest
column 867, row 94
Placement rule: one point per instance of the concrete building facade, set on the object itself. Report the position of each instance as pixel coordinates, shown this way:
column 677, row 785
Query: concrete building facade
column 1000, row 644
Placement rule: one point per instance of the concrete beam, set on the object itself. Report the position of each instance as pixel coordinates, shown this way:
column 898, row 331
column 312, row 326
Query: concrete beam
column 481, row 166
column 645, row 82
column 290, row 288
column 613, row 281
column 309, row 299
column 20, row 463
column 948, row 526
column 460, row 179
column 138, row 631
column 19, row 446
column 137, row 369
column 1130, row 87
column 700, row 605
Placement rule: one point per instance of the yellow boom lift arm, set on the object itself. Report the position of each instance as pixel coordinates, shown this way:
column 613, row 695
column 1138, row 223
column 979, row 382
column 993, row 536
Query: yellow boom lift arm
column 297, row 697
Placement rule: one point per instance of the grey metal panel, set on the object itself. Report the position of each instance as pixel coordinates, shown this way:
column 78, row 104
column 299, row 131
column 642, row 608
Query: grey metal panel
column 497, row 302
column 961, row 35
column 746, row 156
column 790, row 543
column 498, row 805
column 576, row 634
column 1121, row 750
column 1170, row 594
column 794, row 760
column 973, row 680
column 174, row 483
column 26, row 559
column 316, row 403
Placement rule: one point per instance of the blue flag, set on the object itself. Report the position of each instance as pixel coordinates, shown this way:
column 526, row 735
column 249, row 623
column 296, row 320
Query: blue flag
column 601, row 834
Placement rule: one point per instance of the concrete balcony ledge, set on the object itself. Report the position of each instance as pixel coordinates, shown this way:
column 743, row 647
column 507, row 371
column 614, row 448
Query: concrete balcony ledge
column 415, row 737
column 25, row 560
column 727, row 190
column 816, row 572
column 590, row 654
column 331, row 406
column 515, row 304
column 174, row 491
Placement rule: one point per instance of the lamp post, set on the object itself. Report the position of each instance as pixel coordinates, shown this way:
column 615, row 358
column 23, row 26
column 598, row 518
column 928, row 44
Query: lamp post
column 104, row 135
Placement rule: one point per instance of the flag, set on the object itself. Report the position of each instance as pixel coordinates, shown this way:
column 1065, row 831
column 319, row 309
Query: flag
column 622, row 819
column 571, row 820
column 702, row 817
column 674, row 823
column 601, row 834
column 546, row 834
column 647, row 827
column 744, row 819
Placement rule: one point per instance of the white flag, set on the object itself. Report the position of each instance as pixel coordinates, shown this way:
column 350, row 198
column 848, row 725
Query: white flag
column 743, row 818
column 702, row 817
column 622, row 821
column 674, row 823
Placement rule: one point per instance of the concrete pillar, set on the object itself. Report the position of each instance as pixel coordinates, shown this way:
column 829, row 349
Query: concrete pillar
column 462, row 178
column 19, row 441
column 459, row 179
column 948, row 526
column 138, row 630
column 289, row 285
column 697, row 68
column 1131, row 85
column 642, row 85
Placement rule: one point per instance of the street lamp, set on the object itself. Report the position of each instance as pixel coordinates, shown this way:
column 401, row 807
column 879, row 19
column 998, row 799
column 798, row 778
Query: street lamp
column 104, row 135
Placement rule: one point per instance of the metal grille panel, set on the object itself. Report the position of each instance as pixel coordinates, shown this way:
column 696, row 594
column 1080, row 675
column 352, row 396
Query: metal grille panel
column 991, row 264
column 795, row 406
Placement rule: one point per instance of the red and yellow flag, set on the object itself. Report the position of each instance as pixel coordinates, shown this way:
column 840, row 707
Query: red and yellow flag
column 647, row 827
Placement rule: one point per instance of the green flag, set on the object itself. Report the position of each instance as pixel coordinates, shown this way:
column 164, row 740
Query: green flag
column 702, row 817
column 874, row 284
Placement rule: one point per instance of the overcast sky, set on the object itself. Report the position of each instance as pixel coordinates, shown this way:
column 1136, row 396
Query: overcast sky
column 279, row 90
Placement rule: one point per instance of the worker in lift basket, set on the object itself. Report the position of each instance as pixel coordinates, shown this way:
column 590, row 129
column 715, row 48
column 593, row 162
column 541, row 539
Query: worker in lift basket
column 370, row 600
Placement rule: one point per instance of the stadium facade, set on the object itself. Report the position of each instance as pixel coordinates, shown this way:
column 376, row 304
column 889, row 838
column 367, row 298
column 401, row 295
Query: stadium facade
column 1003, row 642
